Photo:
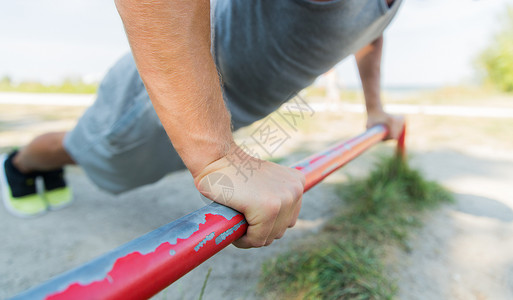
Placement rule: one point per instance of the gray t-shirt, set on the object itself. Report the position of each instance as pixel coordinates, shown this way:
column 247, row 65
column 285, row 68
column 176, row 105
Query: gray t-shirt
column 268, row 50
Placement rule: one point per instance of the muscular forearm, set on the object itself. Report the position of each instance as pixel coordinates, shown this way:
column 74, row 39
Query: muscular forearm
column 369, row 65
column 368, row 60
column 170, row 41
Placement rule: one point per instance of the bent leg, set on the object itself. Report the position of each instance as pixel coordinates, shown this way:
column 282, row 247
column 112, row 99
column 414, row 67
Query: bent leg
column 119, row 141
column 45, row 153
column 40, row 161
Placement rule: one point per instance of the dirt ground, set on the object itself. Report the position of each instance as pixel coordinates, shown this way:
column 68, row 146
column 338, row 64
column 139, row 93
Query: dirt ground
column 464, row 251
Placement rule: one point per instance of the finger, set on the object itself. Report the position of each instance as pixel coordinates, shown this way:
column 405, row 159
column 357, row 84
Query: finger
column 295, row 215
column 252, row 239
column 279, row 228
column 259, row 230
column 285, row 218
column 396, row 126
column 280, row 235
column 302, row 178
column 242, row 243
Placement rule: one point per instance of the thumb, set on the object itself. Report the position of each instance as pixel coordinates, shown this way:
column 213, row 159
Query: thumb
column 217, row 187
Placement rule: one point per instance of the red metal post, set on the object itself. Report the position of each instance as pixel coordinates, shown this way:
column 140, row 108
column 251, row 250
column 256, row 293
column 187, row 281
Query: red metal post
column 401, row 143
column 145, row 266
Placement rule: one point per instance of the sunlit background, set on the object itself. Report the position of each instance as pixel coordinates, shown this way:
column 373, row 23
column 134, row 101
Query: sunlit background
column 431, row 43
column 459, row 134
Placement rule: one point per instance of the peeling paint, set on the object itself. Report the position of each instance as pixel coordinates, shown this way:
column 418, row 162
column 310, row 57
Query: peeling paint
column 98, row 269
column 204, row 241
column 228, row 232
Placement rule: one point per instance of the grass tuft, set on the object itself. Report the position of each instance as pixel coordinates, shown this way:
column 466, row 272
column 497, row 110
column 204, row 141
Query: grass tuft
column 345, row 261
column 205, row 284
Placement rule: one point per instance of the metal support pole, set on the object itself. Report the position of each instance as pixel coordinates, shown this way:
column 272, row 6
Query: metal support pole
column 401, row 143
column 141, row 268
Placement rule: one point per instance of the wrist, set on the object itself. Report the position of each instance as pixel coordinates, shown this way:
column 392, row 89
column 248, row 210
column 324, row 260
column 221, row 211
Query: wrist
column 202, row 155
column 373, row 102
column 375, row 110
column 236, row 158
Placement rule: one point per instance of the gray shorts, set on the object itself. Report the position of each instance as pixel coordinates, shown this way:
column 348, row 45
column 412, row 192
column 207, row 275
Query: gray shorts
column 265, row 51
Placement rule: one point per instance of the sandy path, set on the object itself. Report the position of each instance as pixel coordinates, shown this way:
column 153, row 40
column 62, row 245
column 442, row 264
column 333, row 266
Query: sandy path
column 465, row 251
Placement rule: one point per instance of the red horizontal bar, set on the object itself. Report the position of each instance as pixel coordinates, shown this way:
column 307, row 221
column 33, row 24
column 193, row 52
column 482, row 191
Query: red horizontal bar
column 148, row 264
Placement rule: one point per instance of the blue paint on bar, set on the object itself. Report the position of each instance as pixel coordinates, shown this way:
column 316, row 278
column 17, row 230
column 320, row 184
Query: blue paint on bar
column 229, row 232
column 99, row 268
column 204, row 241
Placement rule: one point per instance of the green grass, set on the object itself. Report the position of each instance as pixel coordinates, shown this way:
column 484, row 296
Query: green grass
column 346, row 260
column 67, row 87
column 205, row 284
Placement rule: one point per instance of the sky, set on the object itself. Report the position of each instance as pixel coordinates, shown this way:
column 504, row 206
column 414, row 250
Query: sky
column 429, row 43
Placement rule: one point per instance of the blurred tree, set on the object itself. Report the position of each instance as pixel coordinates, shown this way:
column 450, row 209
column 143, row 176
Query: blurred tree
column 497, row 59
column 6, row 81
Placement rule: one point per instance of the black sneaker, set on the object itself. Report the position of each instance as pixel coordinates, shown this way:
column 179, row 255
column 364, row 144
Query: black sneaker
column 20, row 191
column 57, row 193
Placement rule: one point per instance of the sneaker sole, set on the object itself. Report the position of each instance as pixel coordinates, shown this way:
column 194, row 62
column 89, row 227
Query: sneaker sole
column 5, row 192
column 64, row 204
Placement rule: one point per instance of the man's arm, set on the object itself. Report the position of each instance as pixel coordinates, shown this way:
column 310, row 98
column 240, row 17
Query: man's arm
column 170, row 41
column 368, row 60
